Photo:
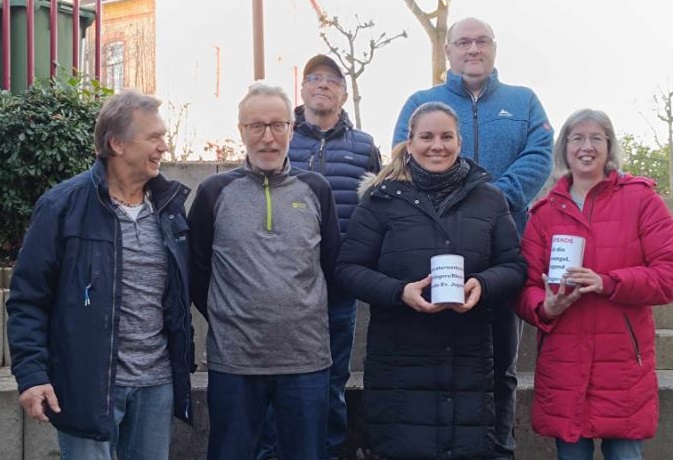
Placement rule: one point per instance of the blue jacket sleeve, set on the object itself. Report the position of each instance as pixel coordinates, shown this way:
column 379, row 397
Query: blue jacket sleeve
column 401, row 131
column 525, row 177
column 31, row 298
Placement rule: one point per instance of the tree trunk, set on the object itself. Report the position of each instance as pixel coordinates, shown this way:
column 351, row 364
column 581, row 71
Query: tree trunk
column 356, row 101
column 436, row 32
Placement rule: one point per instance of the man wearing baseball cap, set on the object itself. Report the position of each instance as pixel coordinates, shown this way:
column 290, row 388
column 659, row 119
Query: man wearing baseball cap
column 325, row 141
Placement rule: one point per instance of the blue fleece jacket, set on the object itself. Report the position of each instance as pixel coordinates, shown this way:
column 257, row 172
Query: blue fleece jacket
column 504, row 129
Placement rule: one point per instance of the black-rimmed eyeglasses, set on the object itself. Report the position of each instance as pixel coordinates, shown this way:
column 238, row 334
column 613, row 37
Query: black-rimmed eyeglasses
column 257, row 129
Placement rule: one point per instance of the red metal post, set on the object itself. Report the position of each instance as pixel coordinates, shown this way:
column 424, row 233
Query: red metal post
column 258, row 37
column 53, row 37
column 296, row 85
column 99, row 33
column 75, row 36
column 6, row 56
column 30, row 42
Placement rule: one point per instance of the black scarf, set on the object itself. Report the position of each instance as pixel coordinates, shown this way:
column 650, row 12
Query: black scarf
column 439, row 187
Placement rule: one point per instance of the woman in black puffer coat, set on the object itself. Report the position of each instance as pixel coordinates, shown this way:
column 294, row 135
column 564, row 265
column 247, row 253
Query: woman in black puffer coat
column 429, row 368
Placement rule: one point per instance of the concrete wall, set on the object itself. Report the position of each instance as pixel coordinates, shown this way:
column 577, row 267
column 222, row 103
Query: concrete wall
column 24, row 439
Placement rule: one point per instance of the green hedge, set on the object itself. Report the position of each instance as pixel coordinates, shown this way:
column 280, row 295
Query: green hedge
column 46, row 136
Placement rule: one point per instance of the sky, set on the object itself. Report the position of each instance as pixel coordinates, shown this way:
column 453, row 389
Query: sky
column 601, row 54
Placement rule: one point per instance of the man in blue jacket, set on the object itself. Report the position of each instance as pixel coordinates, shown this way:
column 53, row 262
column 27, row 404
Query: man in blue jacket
column 325, row 141
column 504, row 129
column 99, row 325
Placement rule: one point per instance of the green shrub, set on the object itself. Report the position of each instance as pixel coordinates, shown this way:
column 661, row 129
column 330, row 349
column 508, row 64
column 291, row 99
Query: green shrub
column 46, row 136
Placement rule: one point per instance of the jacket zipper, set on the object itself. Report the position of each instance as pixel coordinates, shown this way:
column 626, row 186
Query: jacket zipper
column 187, row 333
column 112, row 317
column 475, row 122
column 112, row 328
column 475, row 128
column 267, row 195
column 634, row 341
column 320, row 156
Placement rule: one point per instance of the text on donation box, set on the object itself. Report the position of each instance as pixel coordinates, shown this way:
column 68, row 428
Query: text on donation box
column 566, row 251
column 448, row 279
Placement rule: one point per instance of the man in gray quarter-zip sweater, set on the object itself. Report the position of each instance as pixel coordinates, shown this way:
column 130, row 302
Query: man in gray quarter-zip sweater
column 264, row 244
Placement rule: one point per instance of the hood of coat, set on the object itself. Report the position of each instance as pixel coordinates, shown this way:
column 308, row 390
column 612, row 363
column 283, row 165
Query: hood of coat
column 366, row 183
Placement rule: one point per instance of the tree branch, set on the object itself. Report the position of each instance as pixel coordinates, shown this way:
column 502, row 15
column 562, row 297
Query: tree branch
column 422, row 16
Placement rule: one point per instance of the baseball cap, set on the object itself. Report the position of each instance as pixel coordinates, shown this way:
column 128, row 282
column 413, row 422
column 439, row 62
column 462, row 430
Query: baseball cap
column 321, row 59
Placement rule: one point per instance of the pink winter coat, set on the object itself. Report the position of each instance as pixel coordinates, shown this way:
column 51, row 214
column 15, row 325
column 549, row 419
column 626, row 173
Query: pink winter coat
column 595, row 373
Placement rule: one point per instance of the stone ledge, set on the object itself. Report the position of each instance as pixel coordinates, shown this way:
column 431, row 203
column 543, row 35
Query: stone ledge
column 24, row 439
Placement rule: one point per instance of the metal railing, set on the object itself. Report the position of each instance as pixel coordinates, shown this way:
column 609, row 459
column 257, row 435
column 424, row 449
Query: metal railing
column 54, row 6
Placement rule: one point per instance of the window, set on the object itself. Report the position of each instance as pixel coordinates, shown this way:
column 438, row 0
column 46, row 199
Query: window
column 114, row 66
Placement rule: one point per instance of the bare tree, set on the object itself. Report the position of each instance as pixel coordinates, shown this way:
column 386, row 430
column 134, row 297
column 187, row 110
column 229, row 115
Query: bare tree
column 352, row 61
column 436, row 32
column 141, row 55
column 227, row 150
column 176, row 135
column 664, row 110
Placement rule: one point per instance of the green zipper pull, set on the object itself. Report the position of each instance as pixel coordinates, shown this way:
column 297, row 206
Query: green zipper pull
column 267, row 195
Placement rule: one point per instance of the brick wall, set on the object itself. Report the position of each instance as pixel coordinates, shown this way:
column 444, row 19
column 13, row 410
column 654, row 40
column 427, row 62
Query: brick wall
column 131, row 23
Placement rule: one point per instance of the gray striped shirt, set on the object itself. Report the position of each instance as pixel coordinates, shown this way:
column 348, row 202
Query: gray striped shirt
column 143, row 358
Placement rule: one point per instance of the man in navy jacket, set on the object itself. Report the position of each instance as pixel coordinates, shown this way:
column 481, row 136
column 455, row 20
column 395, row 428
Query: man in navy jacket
column 325, row 141
column 99, row 326
column 505, row 129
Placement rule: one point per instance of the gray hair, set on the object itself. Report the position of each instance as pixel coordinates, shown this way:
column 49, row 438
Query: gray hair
column 264, row 89
column 615, row 153
column 115, row 119
column 486, row 25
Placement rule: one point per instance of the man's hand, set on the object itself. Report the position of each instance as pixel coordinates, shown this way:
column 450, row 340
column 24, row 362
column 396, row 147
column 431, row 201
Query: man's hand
column 35, row 399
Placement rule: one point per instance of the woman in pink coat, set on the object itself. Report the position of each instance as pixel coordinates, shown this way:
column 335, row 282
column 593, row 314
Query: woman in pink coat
column 595, row 374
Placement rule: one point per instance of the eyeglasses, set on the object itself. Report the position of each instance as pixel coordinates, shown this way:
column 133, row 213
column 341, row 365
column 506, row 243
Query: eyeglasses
column 257, row 129
column 332, row 80
column 578, row 140
column 466, row 43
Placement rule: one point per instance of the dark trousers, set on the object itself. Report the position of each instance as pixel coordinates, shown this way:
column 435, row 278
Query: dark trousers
column 237, row 407
column 342, row 329
column 507, row 330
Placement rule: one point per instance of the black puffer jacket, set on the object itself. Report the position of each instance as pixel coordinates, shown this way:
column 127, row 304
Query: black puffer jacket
column 429, row 377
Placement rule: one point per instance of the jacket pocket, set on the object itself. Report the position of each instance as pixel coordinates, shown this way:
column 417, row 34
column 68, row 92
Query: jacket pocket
column 94, row 274
column 634, row 340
